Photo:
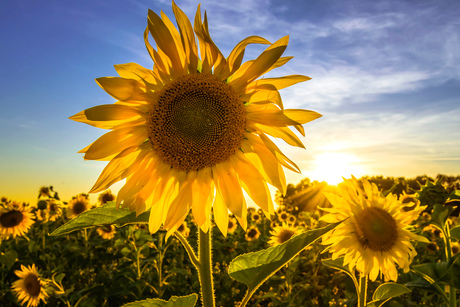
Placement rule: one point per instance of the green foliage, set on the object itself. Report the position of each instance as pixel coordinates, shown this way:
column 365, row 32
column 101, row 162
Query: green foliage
column 105, row 215
column 387, row 291
column 184, row 301
column 254, row 268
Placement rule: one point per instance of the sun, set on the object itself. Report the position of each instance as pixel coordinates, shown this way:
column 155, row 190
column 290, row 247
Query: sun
column 333, row 166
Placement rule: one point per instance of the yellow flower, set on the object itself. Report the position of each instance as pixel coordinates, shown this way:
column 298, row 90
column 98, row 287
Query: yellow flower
column 30, row 288
column 283, row 216
column 252, row 233
column 106, row 231
column 373, row 238
column 105, row 197
column 455, row 248
column 281, row 234
column 77, row 205
column 15, row 220
column 232, row 225
column 194, row 132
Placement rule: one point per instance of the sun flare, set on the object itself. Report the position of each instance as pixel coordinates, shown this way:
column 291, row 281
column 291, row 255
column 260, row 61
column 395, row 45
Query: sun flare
column 332, row 166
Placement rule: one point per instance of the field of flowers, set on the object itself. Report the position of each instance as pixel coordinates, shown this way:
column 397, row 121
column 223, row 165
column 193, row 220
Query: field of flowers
column 113, row 265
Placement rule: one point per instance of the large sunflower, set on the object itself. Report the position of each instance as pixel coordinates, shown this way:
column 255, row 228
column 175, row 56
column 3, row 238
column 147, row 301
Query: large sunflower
column 193, row 132
column 373, row 237
column 30, row 288
column 15, row 220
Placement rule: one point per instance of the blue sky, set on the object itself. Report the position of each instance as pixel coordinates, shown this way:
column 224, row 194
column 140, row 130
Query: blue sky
column 386, row 77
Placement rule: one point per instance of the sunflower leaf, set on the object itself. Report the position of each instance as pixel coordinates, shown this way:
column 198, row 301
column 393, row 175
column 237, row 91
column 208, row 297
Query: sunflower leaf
column 174, row 301
column 338, row 265
column 104, row 215
column 455, row 232
column 8, row 258
column 440, row 215
column 387, row 291
column 255, row 268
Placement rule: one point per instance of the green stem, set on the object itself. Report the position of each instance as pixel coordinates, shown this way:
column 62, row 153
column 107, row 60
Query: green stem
column 205, row 271
column 362, row 291
column 452, row 290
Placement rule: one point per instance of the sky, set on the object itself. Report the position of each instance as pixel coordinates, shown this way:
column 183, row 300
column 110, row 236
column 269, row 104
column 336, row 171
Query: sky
column 385, row 77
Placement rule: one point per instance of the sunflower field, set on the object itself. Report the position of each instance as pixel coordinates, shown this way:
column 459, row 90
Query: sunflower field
column 49, row 259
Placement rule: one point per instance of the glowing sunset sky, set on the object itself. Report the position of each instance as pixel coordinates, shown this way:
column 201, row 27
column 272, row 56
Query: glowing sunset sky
column 386, row 77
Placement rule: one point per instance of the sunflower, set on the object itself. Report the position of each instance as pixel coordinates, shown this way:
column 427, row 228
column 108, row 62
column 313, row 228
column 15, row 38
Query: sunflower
column 77, row 205
column 256, row 217
column 373, row 237
column 283, row 216
column 15, row 220
column 455, row 248
column 30, row 288
column 105, row 197
column 252, row 233
column 281, row 234
column 194, row 132
column 106, row 231
column 232, row 225
column 291, row 219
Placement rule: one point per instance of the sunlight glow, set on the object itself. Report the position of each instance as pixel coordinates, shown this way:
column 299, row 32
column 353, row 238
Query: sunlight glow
column 332, row 166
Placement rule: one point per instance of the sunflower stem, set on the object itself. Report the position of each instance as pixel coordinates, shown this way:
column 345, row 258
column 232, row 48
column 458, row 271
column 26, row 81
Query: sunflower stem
column 205, row 268
column 448, row 245
column 362, row 292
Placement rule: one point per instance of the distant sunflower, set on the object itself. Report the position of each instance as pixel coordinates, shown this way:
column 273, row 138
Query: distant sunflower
column 455, row 248
column 373, row 237
column 105, row 197
column 232, row 225
column 281, row 234
column 256, row 217
column 252, row 233
column 283, row 216
column 291, row 219
column 194, row 132
column 77, row 205
column 106, row 231
column 15, row 220
column 30, row 288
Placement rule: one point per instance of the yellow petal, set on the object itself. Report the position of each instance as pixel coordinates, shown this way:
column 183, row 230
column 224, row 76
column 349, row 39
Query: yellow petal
column 123, row 89
column 236, row 55
column 264, row 161
column 188, row 38
column 285, row 161
column 280, row 82
column 137, row 72
column 115, row 141
column 203, row 196
column 252, row 182
column 263, row 94
column 260, row 65
column 283, row 133
column 268, row 114
column 118, row 168
column 109, row 112
column 220, row 213
column 227, row 184
column 165, row 41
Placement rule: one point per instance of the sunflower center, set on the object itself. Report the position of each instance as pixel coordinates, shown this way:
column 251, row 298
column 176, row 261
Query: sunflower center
column 32, row 285
column 11, row 219
column 252, row 233
column 79, row 207
column 285, row 235
column 196, row 121
column 376, row 229
column 106, row 228
column 107, row 197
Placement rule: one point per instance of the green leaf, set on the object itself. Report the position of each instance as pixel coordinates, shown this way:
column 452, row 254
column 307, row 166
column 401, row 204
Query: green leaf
column 255, row 268
column 107, row 214
column 174, row 301
column 432, row 272
column 455, row 232
column 454, row 196
column 338, row 265
column 8, row 258
column 440, row 215
column 387, row 291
